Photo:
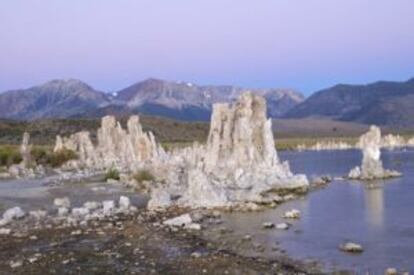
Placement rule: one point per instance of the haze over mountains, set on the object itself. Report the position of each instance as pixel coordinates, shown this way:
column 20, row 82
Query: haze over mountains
column 382, row 103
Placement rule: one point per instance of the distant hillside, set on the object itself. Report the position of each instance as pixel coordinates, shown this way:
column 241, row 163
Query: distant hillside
column 54, row 99
column 178, row 100
column 382, row 103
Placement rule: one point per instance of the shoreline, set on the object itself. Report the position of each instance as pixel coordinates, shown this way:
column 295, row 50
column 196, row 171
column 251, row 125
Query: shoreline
column 131, row 244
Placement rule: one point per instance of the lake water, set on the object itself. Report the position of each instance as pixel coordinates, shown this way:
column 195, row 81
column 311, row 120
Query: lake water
column 378, row 215
column 38, row 194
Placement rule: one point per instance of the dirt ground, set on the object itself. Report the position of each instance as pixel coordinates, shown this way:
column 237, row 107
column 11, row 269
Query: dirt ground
column 136, row 244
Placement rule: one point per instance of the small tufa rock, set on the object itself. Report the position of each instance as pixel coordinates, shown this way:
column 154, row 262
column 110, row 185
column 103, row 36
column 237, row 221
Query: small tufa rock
column 292, row 214
column 63, row 211
column 12, row 214
column 124, row 203
column 62, row 202
column 91, row 205
column 196, row 254
column 16, row 264
column 108, row 207
column 268, row 225
column 351, row 247
column 282, row 226
column 184, row 221
column 5, row 231
column 38, row 214
column 391, row 271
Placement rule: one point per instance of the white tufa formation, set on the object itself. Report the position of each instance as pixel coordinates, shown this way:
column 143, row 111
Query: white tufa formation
column 371, row 167
column 25, row 150
column 238, row 165
column 116, row 147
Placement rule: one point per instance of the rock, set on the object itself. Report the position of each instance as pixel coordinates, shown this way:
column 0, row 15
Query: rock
column 238, row 165
column 124, row 203
column 108, row 207
column 116, row 147
column 12, row 214
column 282, row 226
column 371, row 167
column 292, row 214
column 351, row 247
column 25, row 151
column 160, row 199
column 80, row 212
column 184, row 221
column 179, row 221
column 16, row 264
column 62, row 202
column 38, row 214
column 268, row 225
column 92, row 205
column 391, row 271
column 5, row 231
column 63, row 211
column 196, row 254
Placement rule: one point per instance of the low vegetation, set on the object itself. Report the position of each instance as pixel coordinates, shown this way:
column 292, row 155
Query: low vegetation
column 112, row 174
column 45, row 156
column 9, row 155
column 143, row 175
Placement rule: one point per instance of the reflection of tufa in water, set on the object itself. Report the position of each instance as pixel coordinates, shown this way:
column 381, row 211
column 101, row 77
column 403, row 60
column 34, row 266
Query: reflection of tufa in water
column 371, row 167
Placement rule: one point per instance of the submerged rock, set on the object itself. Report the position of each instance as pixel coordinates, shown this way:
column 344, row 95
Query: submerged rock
column 282, row 226
column 371, row 167
column 292, row 214
column 268, row 225
column 351, row 247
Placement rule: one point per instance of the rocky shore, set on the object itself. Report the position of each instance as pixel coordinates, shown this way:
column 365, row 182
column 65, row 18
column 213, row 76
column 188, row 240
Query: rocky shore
column 134, row 243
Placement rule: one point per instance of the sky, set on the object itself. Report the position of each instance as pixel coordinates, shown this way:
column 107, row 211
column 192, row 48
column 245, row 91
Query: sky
column 307, row 45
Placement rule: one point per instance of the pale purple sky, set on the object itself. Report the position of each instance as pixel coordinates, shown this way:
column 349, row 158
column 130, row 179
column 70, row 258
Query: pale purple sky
column 302, row 44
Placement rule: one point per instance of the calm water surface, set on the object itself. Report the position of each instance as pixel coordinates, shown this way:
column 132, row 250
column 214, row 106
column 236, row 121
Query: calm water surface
column 379, row 215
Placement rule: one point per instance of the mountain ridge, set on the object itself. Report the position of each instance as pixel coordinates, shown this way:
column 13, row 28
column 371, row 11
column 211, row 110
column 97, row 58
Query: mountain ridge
column 73, row 98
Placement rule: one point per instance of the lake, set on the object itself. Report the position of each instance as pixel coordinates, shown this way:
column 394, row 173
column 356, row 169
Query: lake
column 377, row 215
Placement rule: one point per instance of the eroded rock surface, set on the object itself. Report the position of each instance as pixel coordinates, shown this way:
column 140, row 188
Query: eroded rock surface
column 371, row 167
column 124, row 149
column 238, row 165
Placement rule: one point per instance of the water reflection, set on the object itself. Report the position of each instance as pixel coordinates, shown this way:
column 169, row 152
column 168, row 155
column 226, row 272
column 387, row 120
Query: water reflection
column 374, row 204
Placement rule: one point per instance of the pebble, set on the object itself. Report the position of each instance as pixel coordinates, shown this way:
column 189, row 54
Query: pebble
column 16, row 264
column 282, row 226
column 351, row 247
column 292, row 214
column 196, row 254
column 76, row 232
column 268, row 225
column 5, row 231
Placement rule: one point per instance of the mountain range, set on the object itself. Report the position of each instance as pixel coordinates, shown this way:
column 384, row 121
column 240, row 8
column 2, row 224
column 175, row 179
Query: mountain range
column 179, row 100
column 383, row 103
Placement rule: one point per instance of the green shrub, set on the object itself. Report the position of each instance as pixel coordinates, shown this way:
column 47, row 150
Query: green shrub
column 46, row 157
column 112, row 174
column 9, row 155
column 143, row 175
column 60, row 157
